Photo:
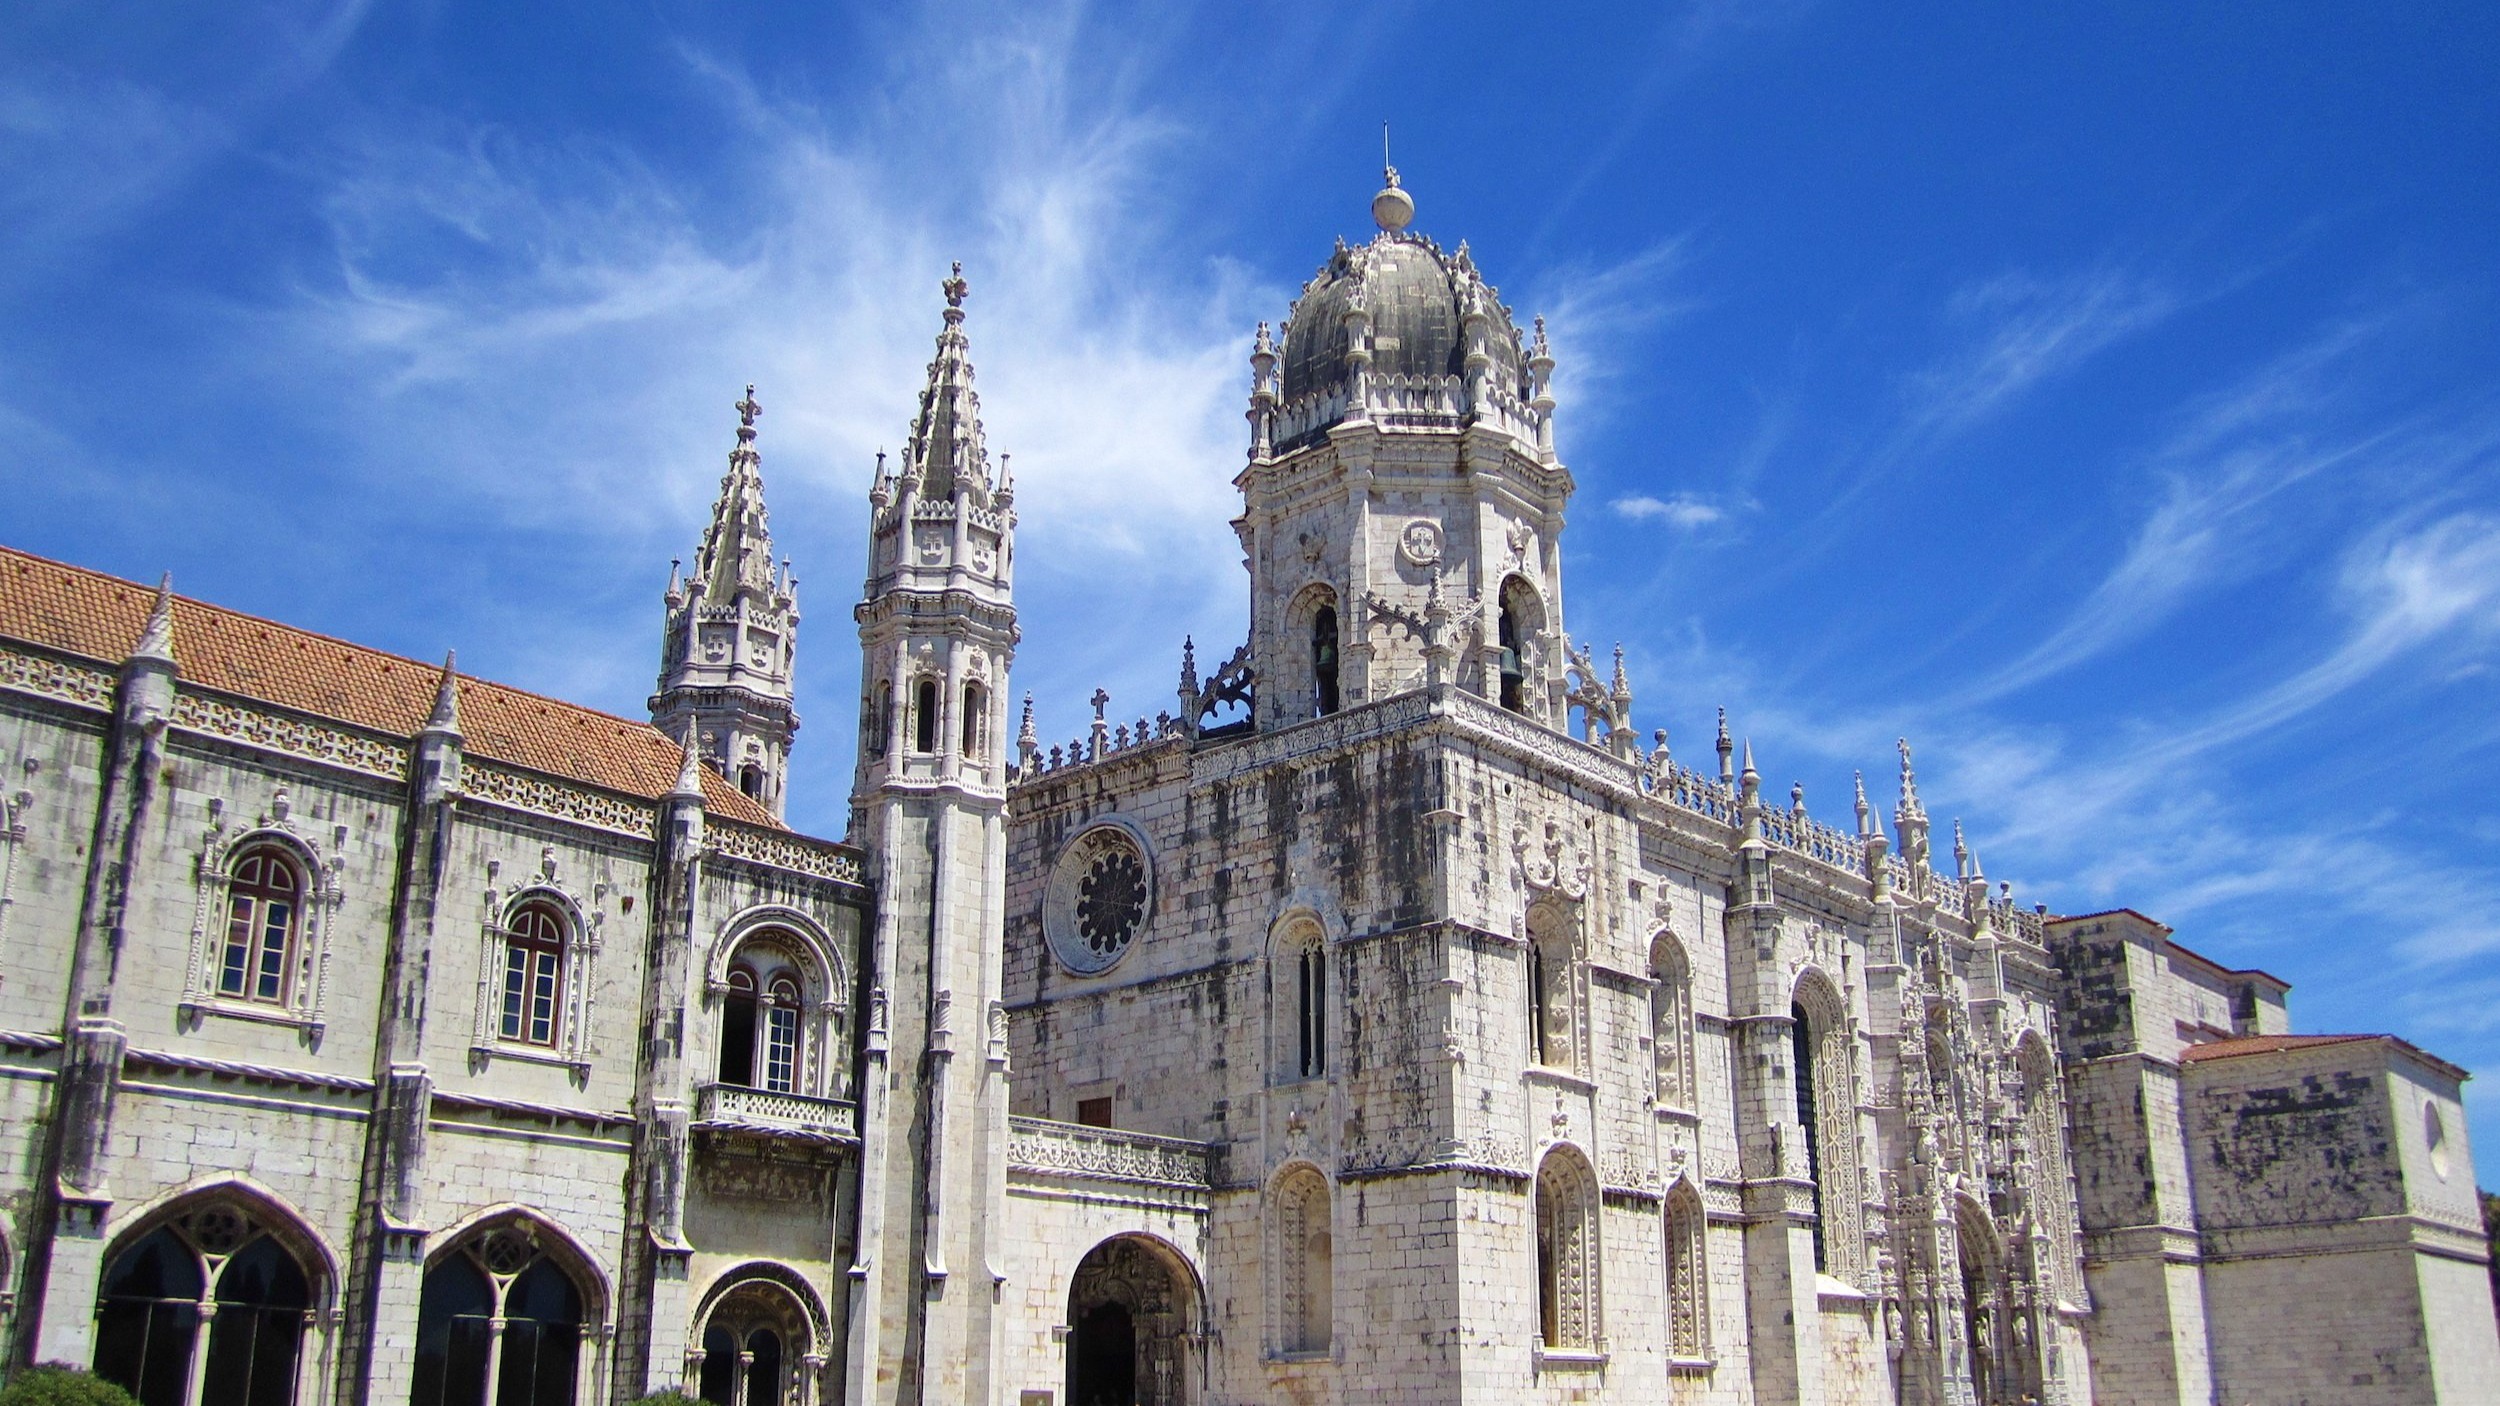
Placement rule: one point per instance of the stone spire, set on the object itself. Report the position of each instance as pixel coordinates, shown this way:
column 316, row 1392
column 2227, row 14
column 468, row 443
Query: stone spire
column 156, row 638
column 446, row 714
column 730, row 646
column 945, row 447
column 1910, row 817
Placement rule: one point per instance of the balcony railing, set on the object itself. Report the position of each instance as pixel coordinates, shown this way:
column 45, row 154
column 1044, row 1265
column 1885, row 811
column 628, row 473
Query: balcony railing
column 1079, row 1150
column 776, row 1114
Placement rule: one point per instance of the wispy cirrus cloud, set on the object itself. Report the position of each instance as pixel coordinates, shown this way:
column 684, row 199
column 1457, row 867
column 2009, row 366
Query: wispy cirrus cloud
column 2029, row 330
column 1680, row 511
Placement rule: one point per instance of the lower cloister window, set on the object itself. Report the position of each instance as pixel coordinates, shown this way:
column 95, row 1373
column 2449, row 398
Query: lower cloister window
column 215, row 1273
column 499, row 1324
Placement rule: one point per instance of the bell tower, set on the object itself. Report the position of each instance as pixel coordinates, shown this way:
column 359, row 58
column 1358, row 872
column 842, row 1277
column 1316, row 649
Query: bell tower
column 731, row 637
column 1402, row 509
column 937, row 631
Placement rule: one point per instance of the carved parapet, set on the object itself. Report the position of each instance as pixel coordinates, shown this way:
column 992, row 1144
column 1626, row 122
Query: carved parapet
column 1105, row 1154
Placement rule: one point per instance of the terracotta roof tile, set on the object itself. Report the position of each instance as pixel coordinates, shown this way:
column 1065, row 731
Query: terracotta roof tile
column 2266, row 1044
column 88, row 613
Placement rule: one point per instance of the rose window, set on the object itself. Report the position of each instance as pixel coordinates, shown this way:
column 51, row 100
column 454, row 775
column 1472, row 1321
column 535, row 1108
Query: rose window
column 1101, row 891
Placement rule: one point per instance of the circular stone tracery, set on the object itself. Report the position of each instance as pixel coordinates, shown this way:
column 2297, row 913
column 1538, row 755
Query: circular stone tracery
column 1100, row 892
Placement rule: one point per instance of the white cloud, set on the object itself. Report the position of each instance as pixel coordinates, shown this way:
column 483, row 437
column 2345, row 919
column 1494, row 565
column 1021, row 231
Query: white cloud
column 1681, row 511
column 2031, row 330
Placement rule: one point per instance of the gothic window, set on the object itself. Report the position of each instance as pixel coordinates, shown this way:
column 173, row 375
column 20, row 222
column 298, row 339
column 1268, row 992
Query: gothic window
column 1671, row 1024
column 264, row 910
column 756, row 1338
column 924, row 716
column 1301, row 1002
column 216, row 1273
column 1688, row 1276
column 1101, row 890
column 1324, row 660
column 2052, row 1195
column 751, row 781
column 533, row 976
column 499, row 1323
column 1566, row 1252
column 1305, row 1295
column 1514, row 695
column 1827, row 1120
column 764, row 1025
column 976, row 718
column 1552, row 1024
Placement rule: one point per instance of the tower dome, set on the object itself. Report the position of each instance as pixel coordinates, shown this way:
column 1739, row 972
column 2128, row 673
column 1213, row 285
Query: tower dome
column 1431, row 336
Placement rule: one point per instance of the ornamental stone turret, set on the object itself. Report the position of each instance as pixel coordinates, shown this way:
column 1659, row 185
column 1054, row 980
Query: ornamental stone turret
column 730, row 643
column 1402, row 507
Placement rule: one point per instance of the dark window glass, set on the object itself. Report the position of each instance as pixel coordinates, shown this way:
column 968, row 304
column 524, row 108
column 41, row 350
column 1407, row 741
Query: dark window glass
column 452, row 1336
column 1094, row 1112
column 924, row 716
column 541, row 1338
column 1324, row 659
column 149, row 1318
column 259, row 1328
column 737, row 1031
column 976, row 712
column 533, row 981
column 1802, row 1052
column 720, row 1366
column 764, row 1374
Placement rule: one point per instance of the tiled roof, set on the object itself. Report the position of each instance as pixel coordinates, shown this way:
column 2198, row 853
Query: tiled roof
column 88, row 613
column 2266, row 1044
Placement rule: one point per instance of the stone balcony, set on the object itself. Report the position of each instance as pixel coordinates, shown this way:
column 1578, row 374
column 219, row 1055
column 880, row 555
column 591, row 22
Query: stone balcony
column 1042, row 1145
column 735, row 1108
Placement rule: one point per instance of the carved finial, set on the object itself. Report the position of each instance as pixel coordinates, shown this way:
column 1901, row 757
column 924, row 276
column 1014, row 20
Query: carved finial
column 689, row 785
column 1101, row 700
column 1866, row 813
column 1028, row 742
column 1392, row 209
column 1910, row 804
column 1265, row 345
column 1796, row 798
column 156, row 639
column 1537, row 345
column 446, row 714
column 1727, row 751
column 1961, row 851
column 955, row 287
column 1189, row 668
column 1623, row 685
column 747, row 409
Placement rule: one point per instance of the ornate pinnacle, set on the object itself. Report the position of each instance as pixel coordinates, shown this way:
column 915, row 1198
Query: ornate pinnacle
column 1961, row 851
column 1796, row 798
column 156, row 638
column 1866, row 813
column 689, row 768
column 1028, row 743
column 1909, row 783
column 955, row 288
column 1727, row 750
column 446, row 714
column 748, row 408
column 1189, row 669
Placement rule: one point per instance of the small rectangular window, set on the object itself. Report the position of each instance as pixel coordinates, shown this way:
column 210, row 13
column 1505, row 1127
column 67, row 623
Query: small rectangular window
column 1094, row 1112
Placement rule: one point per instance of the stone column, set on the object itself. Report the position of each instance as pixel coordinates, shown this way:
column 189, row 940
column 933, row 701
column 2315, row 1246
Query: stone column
column 65, row 1249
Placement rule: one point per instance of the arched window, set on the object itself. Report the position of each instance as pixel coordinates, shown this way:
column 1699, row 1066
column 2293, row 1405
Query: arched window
column 976, row 719
column 1671, row 1024
column 1324, row 660
column 924, row 737
column 218, row 1267
column 1827, row 1121
column 737, row 1029
column 499, row 1323
column 1688, row 1276
column 533, row 976
column 877, row 719
column 751, row 781
column 1305, row 1262
column 1514, row 693
column 264, row 910
column 1566, row 1252
column 1311, row 1010
column 2052, row 1192
column 781, row 1036
column 1552, row 1027
column 756, row 1337
column 763, row 1036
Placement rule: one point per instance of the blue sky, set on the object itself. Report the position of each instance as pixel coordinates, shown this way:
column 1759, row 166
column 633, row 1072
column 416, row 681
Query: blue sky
column 2110, row 402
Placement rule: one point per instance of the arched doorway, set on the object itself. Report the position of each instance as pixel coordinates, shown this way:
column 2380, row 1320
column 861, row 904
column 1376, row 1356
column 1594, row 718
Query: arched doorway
column 1987, row 1310
column 758, row 1344
column 500, row 1321
column 1132, row 1326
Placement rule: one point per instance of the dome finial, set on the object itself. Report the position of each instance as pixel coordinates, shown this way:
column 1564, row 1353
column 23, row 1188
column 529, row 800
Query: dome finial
column 1393, row 208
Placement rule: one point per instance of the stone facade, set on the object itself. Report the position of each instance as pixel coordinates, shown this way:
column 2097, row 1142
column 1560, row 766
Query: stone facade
column 1387, row 1019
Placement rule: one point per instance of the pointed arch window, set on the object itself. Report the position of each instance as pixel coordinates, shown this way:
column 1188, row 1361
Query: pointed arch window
column 975, row 720
column 264, row 914
column 1514, row 674
column 1305, row 1262
column 1566, row 1252
column 1827, row 1122
column 1671, row 1025
column 499, row 1323
column 1324, row 660
column 924, row 737
column 216, row 1273
column 1688, row 1276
